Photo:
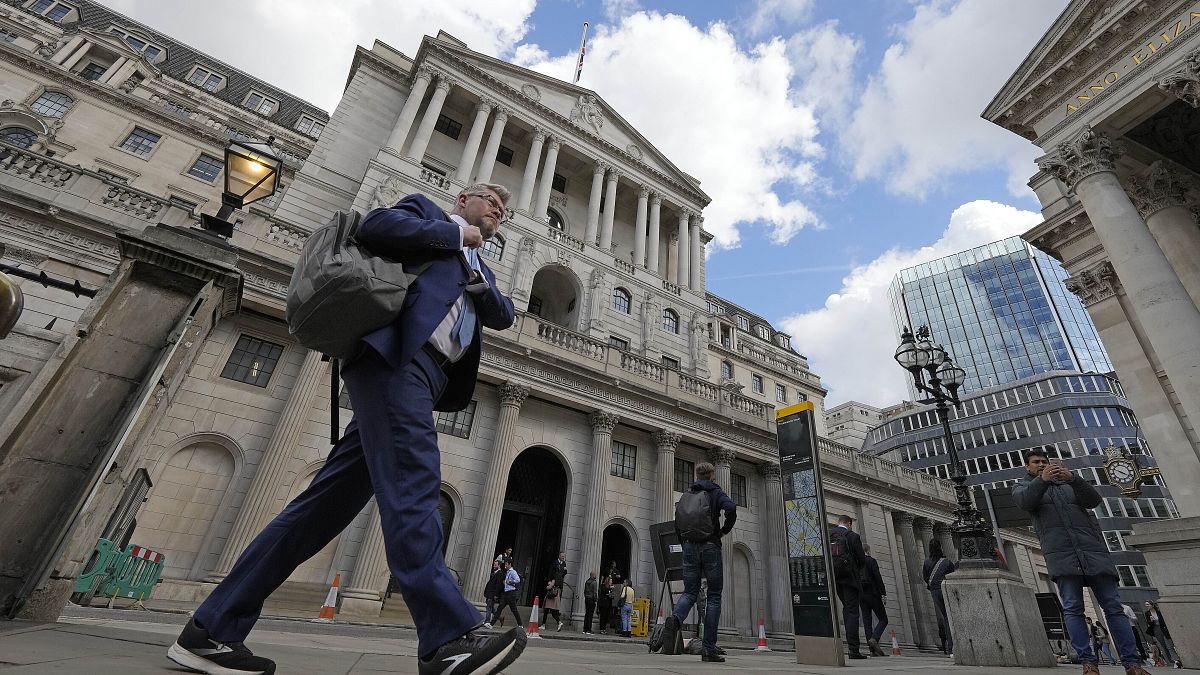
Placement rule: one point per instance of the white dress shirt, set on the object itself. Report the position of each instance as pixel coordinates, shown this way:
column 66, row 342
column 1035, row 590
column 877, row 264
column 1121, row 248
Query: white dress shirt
column 441, row 338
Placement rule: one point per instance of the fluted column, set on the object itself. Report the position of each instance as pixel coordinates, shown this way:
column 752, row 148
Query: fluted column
column 603, row 424
column 653, row 236
column 1160, row 196
column 775, row 534
column 408, row 112
column 665, row 442
column 364, row 594
column 525, row 197
column 543, row 195
column 471, row 150
column 491, row 505
column 945, row 536
column 1170, row 320
column 488, row 163
column 425, row 131
column 722, row 458
column 902, row 592
column 258, row 507
column 916, row 585
column 610, row 210
column 639, row 227
column 697, row 254
column 682, row 252
column 593, row 219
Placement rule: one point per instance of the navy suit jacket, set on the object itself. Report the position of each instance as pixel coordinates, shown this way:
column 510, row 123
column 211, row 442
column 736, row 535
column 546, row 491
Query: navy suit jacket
column 413, row 232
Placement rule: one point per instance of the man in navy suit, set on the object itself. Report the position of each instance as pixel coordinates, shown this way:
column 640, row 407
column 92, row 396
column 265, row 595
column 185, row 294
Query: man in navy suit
column 426, row 360
column 852, row 560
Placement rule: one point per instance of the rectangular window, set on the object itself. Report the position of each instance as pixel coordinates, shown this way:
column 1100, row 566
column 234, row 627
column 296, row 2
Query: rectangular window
column 309, row 126
column 504, row 155
column 624, row 460
column 618, row 343
column 140, row 141
column 457, row 423
column 535, row 305
column 260, row 104
column 670, row 363
column 447, row 126
column 206, row 168
column 685, row 474
column 559, row 184
column 252, row 361
column 7, row 35
column 741, row 492
column 92, row 71
column 780, row 393
column 756, row 382
column 743, row 323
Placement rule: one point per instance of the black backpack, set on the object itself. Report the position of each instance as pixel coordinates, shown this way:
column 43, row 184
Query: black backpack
column 656, row 644
column 839, row 552
column 694, row 516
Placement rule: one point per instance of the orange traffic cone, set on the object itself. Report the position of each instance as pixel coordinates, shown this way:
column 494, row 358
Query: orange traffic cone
column 895, row 645
column 330, row 606
column 762, row 637
column 532, row 630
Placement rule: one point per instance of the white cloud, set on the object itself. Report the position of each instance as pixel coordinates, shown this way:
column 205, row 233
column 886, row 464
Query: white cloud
column 823, row 58
column 615, row 10
column 918, row 117
column 850, row 341
column 305, row 46
column 721, row 113
column 775, row 16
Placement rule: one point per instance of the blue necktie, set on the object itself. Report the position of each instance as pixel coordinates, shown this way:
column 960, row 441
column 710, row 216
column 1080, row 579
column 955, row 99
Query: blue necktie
column 464, row 328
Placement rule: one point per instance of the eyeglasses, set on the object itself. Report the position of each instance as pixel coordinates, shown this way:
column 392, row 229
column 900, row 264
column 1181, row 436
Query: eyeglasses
column 505, row 214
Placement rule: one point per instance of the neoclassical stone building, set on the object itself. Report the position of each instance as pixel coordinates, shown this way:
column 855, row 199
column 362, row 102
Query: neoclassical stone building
column 620, row 374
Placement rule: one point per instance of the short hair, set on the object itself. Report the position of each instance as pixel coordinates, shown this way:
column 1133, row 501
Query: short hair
column 935, row 550
column 845, row 519
column 866, row 548
column 1035, row 452
column 705, row 471
column 477, row 188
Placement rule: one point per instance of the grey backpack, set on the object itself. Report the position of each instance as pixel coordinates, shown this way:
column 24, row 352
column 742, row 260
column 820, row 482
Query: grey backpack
column 694, row 516
column 340, row 291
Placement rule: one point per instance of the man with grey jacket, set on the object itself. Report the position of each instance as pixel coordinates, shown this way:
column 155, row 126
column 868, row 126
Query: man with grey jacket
column 1076, row 555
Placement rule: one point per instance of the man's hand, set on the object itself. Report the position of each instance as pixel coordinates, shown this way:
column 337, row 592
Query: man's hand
column 472, row 237
column 1049, row 473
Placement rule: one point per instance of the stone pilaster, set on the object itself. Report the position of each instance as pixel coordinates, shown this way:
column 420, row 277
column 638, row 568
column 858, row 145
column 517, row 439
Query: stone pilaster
column 722, row 458
column 652, row 237
column 491, row 504
column 639, row 227
column 364, row 596
column 916, row 585
column 593, row 219
column 775, row 536
column 610, row 209
column 408, row 113
column 425, row 131
column 525, row 196
column 259, row 506
column 1160, row 195
column 474, row 138
column 543, row 195
column 603, row 424
column 488, row 163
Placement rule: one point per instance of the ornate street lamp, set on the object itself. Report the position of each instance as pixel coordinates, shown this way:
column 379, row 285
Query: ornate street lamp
column 251, row 173
column 935, row 373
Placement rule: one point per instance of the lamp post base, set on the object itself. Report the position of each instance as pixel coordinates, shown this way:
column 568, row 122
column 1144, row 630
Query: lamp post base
column 989, row 612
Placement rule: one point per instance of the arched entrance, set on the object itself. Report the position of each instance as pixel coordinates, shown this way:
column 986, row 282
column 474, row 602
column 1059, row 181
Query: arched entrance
column 555, row 296
column 616, row 550
column 531, row 523
column 743, row 609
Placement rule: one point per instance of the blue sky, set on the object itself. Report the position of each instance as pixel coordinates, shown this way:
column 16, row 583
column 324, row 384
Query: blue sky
column 840, row 140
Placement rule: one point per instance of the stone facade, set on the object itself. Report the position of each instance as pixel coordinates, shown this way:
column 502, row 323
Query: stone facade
column 850, row 422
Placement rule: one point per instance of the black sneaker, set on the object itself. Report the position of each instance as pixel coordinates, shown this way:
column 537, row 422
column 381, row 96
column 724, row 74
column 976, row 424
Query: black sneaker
column 196, row 650
column 712, row 657
column 671, row 644
column 475, row 654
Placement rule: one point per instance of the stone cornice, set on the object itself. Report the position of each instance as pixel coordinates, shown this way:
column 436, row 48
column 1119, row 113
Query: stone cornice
column 1094, row 284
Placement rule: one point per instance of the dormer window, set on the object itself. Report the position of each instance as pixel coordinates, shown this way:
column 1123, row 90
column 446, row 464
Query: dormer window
column 260, row 103
column 309, row 126
column 206, row 79
column 762, row 332
column 784, row 341
column 743, row 323
column 138, row 44
column 51, row 9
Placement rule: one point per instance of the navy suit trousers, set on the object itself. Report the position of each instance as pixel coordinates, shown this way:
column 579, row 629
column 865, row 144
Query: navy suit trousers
column 390, row 451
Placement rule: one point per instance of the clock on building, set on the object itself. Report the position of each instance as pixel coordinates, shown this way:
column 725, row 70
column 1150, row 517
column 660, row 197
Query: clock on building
column 1123, row 471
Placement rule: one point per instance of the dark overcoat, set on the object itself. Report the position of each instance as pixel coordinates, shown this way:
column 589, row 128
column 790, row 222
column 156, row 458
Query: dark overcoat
column 1072, row 541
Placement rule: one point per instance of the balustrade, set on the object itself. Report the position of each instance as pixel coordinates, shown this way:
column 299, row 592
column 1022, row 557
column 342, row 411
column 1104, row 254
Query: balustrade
column 561, row 237
column 571, row 341
column 644, row 367
column 746, row 405
column 37, row 167
column 287, row 237
column 435, row 179
column 625, row 267
column 700, row 388
column 136, row 202
column 671, row 287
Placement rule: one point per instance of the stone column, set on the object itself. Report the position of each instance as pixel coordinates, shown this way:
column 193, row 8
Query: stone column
column 945, row 537
column 722, row 458
column 603, row 424
column 1169, row 318
column 593, row 219
column 64, row 52
column 682, row 254
column 1161, row 198
column 664, row 489
column 491, row 504
column 610, row 210
column 924, row 532
column 75, row 58
column 113, row 69
column 639, row 228
column 547, row 184
column 774, row 533
column 408, row 113
column 916, row 585
column 425, row 130
column 653, row 236
column 488, row 163
column 901, row 591
column 364, row 595
column 694, row 282
column 525, row 197
column 471, row 150
column 259, row 506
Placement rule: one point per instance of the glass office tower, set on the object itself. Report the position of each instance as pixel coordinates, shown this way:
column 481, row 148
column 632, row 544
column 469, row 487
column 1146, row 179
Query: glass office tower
column 1002, row 311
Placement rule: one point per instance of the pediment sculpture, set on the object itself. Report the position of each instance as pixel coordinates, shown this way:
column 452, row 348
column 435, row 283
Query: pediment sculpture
column 587, row 110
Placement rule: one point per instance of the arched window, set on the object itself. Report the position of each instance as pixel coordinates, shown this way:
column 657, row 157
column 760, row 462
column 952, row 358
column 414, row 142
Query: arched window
column 52, row 104
column 494, row 247
column 622, row 300
column 726, row 370
column 18, row 136
column 670, row 321
column 556, row 220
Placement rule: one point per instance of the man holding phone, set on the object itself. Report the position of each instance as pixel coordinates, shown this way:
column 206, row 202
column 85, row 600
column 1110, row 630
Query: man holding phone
column 1076, row 555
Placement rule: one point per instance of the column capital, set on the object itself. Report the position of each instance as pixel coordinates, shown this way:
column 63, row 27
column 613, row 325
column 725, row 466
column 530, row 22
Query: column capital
column 603, row 421
column 512, row 393
column 925, row 525
column 485, row 105
column 445, row 82
column 554, row 142
column 1184, row 84
column 655, row 199
column 721, row 456
column 643, row 192
column 666, row 441
column 685, row 212
column 600, row 167
column 425, row 72
column 1089, row 153
column 906, row 518
column 614, row 174
column 1159, row 187
column 942, row 529
column 770, row 471
column 1094, row 284
column 502, row 113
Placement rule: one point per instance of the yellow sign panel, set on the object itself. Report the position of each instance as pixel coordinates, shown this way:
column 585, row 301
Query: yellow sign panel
column 793, row 409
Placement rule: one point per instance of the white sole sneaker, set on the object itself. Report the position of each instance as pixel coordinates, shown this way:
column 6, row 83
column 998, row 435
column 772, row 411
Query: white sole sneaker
column 189, row 660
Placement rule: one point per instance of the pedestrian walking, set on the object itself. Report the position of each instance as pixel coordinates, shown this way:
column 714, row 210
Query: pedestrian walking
column 1076, row 555
column 558, row 568
column 1099, row 639
column 849, row 560
column 934, row 572
column 871, row 603
column 492, row 591
column 512, row 584
column 591, row 591
column 614, row 594
column 1156, row 626
column 604, row 603
column 627, row 595
column 425, row 360
column 1137, row 630
column 698, row 527
column 550, row 605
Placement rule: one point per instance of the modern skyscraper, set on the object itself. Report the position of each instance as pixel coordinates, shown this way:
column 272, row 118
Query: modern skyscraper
column 1002, row 311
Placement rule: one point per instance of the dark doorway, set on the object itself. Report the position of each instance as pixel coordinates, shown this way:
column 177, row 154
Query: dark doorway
column 616, row 550
column 532, row 520
column 446, row 513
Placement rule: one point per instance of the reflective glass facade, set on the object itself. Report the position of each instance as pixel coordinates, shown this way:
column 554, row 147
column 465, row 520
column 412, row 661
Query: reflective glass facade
column 1002, row 312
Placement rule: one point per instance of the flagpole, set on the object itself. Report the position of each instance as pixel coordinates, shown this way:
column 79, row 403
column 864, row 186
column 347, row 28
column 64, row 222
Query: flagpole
column 579, row 64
